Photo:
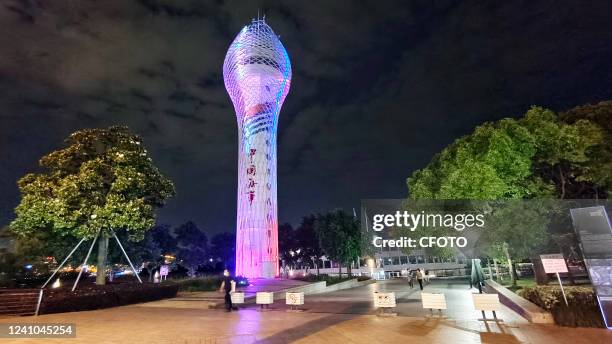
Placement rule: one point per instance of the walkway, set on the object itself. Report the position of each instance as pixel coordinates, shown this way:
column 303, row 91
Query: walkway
column 339, row 317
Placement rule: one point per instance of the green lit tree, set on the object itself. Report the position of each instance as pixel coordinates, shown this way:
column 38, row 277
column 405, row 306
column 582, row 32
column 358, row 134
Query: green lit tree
column 516, row 230
column 591, row 178
column 512, row 159
column 103, row 180
column 340, row 237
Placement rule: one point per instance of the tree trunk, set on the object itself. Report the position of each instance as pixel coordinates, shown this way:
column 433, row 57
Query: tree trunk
column 562, row 181
column 102, row 249
column 516, row 276
column 348, row 270
column 498, row 277
column 339, row 270
column 510, row 265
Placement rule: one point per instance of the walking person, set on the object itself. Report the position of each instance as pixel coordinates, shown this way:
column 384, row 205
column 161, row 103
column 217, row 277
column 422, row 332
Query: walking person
column 419, row 276
column 226, row 286
column 410, row 279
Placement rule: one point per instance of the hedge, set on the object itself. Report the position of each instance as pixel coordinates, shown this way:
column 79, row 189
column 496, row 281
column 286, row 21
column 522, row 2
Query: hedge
column 583, row 309
column 104, row 296
column 331, row 280
column 209, row 283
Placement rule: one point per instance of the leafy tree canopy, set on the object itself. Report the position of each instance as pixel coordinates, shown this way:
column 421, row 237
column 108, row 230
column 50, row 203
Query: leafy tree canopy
column 597, row 169
column 102, row 180
column 339, row 235
column 192, row 246
column 497, row 161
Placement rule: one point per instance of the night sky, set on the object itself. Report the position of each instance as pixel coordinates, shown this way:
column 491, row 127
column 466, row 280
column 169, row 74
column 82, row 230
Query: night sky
column 378, row 87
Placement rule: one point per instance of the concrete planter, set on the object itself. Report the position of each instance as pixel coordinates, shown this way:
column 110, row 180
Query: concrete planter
column 523, row 307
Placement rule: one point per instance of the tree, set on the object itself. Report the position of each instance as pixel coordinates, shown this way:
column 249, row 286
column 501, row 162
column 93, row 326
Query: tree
column 510, row 159
column 192, row 247
column 307, row 241
column 500, row 160
column 340, row 237
column 102, row 181
column 562, row 150
column 516, row 230
column 146, row 253
column 593, row 177
column 223, row 247
column 287, row 245
column 162, row 235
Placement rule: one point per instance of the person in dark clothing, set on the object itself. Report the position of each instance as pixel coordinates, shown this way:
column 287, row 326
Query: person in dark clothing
column 226, row 286
column 410, row 279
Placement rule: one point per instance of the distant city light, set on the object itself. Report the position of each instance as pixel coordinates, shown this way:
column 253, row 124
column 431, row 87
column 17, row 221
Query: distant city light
column 56, row 284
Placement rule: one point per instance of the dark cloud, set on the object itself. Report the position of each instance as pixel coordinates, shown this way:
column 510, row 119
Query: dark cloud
column 378, row 87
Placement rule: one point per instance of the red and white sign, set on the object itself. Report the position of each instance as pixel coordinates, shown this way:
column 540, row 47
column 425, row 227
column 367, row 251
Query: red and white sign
column 553, row 263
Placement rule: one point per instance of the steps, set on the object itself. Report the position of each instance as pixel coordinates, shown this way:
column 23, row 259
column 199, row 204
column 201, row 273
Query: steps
column 18, row 301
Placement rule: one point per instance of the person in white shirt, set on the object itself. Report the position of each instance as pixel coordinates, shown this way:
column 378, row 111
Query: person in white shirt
column 419, row 276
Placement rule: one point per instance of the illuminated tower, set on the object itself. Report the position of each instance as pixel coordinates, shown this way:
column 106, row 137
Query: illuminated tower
column 257, row 75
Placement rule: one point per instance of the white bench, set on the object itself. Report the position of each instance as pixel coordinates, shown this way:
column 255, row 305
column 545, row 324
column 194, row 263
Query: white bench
column 433, row 301
column 487, row 302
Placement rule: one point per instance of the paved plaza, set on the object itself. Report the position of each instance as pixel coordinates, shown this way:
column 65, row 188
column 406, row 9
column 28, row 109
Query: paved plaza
column 345, row 316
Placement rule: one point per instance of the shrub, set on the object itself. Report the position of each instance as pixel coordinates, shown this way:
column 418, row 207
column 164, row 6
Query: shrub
column 582, row 309
column 327, row 278
column 103, row 296
column 208, row 283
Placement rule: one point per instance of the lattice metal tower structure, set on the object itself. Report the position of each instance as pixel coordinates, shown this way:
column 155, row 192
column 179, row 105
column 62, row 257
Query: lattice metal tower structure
column 257, row 75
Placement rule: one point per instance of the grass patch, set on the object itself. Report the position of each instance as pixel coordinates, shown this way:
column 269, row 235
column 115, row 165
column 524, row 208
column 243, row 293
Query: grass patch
column 520, row 284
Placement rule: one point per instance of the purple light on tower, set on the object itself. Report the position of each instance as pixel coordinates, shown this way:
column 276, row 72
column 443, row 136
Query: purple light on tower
column 257, row 75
